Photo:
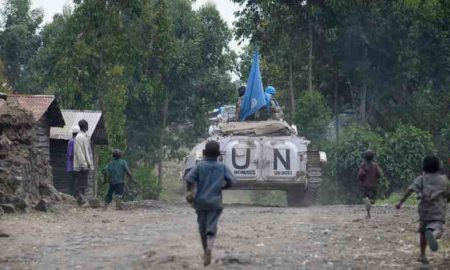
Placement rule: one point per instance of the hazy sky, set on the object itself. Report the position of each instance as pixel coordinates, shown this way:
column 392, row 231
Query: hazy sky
column 50, row 7
column 225, row 7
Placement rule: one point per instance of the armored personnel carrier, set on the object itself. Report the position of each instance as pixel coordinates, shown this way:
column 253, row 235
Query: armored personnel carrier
column 267, row 155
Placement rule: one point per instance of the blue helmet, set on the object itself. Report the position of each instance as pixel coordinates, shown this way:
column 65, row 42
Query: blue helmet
column 271, row 90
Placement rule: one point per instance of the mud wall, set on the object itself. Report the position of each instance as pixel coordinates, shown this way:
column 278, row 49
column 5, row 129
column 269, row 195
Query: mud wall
column 24, row 156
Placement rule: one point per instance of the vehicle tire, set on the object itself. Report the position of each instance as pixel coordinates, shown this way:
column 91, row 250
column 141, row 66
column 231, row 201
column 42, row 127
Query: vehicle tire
column 312, row 192
column 314, row 173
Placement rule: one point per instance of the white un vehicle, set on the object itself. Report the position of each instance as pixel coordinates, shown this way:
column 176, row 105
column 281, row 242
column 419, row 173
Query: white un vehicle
column 267, row 155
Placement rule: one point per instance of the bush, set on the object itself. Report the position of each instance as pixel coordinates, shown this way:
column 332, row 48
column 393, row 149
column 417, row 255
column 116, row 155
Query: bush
column 404, row 150
column 312, row 115
column 344, row 158
column 399, row 155
column 443, row 143
column 148, row 188
column 147, row 185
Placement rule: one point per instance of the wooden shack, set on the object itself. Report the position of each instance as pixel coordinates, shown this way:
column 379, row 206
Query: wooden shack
column 59, row 138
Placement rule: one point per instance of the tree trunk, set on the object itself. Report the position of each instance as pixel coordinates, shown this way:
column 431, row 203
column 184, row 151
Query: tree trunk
column 310, row 57
column 362, row 109
column 164, row 112
column 336, row 106
column 291, row 89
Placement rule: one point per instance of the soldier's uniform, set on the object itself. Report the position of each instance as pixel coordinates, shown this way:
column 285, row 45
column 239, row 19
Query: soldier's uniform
column 273, row 112
column 238, row 106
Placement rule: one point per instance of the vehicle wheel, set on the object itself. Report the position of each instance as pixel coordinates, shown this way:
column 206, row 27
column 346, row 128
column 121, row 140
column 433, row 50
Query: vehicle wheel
column 314, row 171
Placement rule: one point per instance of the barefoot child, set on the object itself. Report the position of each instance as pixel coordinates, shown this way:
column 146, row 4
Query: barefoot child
column 368, row 174
column 433, row 191
column 114, row 172
column 210, row 177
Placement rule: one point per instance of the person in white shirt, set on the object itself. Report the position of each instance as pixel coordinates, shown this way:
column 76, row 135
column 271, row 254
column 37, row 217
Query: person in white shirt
column 82, row 162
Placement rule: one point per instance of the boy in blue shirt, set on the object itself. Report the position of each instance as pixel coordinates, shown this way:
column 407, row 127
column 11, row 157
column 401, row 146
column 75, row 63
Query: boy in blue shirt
column 210, row 177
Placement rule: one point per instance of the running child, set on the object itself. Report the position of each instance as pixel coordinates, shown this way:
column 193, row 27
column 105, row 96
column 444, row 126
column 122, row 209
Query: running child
column 433, row 190
column 210, row 177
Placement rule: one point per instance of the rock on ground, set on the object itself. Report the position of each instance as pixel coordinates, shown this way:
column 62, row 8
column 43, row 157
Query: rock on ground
column 8, row 208
column 43, row 205
column 49, row 191
column 69, row 199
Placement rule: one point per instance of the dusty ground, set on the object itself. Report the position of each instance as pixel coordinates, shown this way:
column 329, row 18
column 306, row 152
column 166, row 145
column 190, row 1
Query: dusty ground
column 164, row 236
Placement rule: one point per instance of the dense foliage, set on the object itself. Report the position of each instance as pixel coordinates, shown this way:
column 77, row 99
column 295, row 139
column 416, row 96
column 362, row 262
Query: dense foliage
column 403, row 152
column 385, row 62
column 398, row 153
column 154, row 67
column 312, row 115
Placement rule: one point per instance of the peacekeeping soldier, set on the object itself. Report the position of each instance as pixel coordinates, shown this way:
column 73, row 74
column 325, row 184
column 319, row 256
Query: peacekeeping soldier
column 241, row 93
column 272, row 111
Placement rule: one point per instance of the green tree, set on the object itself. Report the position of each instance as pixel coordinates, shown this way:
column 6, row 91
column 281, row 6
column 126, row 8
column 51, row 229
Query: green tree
column 18, row 38
column 153, row 67
column 313, row 115
column 3, row 81
column 344, row 158
column 404, row 150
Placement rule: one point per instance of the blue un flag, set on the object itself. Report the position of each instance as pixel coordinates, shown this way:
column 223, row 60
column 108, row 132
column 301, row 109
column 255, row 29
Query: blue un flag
column 254, row 98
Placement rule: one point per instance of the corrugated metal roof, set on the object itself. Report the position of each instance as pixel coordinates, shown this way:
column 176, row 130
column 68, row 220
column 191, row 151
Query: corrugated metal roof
column 38, row 105
column 71, row 117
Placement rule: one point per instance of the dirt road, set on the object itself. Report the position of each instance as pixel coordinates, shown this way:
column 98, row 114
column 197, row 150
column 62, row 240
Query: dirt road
column 163, row 236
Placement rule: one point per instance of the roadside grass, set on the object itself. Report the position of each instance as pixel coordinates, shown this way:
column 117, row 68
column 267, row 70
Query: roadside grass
column 173, row 189
column 395, row 197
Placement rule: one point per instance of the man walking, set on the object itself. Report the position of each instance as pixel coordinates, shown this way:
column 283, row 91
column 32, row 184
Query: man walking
column 82, row 162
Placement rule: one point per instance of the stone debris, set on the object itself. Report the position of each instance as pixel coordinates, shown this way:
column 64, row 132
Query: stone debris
column 148, row 254
column 25, row 172
column 8, row 208
column 49, row 191
column 2, row 234
column 22, row 163
column 44, row 205
column 21, row 204
column 95, row 203
column 233, row 259
column 146, row 204
column 68, row 198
